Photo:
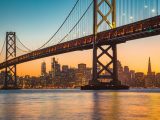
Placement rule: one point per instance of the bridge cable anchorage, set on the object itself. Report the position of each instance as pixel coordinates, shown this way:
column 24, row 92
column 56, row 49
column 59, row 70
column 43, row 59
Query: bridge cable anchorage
column 76, row 23
column 29, row 50
column 60, row 26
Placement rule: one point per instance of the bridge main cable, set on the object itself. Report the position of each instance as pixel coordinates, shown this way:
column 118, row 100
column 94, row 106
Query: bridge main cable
column 76, row 23
column 74, row 7
column 60, row 26
column 29, row 50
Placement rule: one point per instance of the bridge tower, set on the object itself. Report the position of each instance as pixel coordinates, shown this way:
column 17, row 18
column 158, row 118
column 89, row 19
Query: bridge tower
column 10, row 76
column 111, row 23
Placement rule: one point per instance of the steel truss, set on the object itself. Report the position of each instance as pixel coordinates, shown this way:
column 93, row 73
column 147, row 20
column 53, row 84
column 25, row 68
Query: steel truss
column 97, row 74
column 10, row 76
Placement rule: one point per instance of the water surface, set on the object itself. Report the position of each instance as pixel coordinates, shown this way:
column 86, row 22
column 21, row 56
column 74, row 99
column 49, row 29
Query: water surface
column 80, row 105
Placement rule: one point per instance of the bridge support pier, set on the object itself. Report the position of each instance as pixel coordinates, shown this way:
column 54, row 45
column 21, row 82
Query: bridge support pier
column 100, row 70
column 10, row 71
column 112, row 74
column 105, row 71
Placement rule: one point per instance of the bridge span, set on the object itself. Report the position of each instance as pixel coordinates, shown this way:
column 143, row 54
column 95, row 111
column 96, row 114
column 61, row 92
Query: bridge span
column 140, row 29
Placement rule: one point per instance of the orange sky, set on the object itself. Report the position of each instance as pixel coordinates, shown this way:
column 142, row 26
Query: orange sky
column 134, row 53
column 34, row 22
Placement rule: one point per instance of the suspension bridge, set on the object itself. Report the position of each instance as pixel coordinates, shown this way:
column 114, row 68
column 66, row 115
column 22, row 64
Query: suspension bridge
column 91, row 24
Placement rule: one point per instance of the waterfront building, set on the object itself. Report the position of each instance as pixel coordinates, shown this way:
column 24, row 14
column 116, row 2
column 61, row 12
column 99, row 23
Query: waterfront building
column 64, row 80
column 71, row 76
column 157, row 80
column 150, row 78
column 43, row 69
column 132, row 80
column 82, row 68
column 127, row 75
column 82, row 74
column 120, row 72
column 55, row 68
column 2, row 77
column 65, row 68
column 139, row 79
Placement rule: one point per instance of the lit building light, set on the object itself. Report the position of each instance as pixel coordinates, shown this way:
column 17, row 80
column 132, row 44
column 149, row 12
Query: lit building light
column 153, row 11
column 145, row 6
column 131, row 17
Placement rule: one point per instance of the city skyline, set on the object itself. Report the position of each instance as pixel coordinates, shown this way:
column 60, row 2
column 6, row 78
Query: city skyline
column 137, row 63
column 47, row 66
column 63, row 76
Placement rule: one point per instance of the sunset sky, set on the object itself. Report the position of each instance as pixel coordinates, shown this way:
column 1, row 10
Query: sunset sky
column 34, row 21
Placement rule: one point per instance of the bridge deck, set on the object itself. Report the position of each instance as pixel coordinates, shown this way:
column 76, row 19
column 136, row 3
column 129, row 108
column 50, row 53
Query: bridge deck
column 140, row 29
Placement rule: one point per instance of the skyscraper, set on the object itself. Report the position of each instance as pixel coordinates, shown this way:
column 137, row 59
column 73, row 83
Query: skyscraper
column 55, row 68
column 82, row 68
column 65, row 68
column 43, row 69
column 149, row 67
column 150, row 78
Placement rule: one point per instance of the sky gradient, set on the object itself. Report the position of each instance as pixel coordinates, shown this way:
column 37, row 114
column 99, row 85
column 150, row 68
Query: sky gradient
column 34, row 21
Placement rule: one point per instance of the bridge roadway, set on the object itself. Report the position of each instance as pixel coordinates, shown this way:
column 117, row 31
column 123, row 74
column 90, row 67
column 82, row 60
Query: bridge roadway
column 140, row 29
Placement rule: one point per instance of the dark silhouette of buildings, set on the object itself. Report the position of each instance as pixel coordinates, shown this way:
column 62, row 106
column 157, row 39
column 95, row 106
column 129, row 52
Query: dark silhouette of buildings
column 138, row 79
column 65, row 76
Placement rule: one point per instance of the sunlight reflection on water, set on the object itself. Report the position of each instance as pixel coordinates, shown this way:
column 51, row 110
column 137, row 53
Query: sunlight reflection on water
column 80, row 105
